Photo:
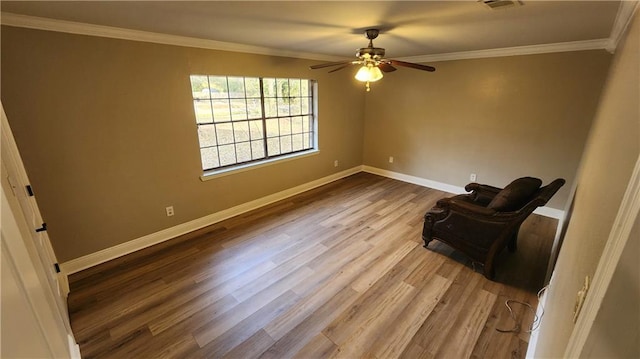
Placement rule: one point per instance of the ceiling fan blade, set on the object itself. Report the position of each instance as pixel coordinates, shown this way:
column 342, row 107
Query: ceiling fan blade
column 386, row 67
column 329, row 64
column 339, row 68
column 412, row 65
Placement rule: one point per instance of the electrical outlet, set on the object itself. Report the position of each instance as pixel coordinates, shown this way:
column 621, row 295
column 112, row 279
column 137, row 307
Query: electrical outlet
column 335, row 163
column 473, row 177
column 390, row 159
column 169, row 211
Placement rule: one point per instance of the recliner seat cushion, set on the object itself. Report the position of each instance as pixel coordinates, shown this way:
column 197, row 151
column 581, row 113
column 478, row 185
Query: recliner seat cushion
column 515, row 194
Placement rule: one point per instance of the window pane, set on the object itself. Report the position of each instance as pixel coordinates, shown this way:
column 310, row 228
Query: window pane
column 269, row 86
column 283, row 106
column 285, row 126
column 304, row 106
column 209, row 158
column 294, row 87
column 227, row 155
column 272, row 127
column 304, row 87
column 218, row 86
column 285, row 144
column 243, row 152
column 257, row 149
column 273, row 146
column 297, row 143
column 294, row 106
column 283, row 87
column 199, row 86
column 255, row 129
column 270, row 107
column 305, row 124
column 238, row 109
column 207, row 135
column 202, row 109
column 241, row 131
column 225, row 133
column 307, row 139
column 254, row 110
column 252, row 86
column 296, row 124
column 236, row 87
column 221, row 110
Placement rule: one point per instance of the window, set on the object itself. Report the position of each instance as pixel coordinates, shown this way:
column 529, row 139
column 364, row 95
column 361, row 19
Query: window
column 249, row 119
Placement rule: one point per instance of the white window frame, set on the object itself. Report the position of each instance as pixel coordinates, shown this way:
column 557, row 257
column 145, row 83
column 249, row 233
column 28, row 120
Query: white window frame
column 253, row 118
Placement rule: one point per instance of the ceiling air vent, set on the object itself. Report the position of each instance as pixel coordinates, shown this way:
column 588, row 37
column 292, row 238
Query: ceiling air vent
column 501, row 4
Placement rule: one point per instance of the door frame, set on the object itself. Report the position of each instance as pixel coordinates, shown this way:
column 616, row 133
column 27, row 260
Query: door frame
column 40, row 283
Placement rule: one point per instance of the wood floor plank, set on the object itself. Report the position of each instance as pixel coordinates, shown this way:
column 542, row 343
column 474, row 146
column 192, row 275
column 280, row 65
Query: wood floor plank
column 335, row 271
column 219, row 325
column 468, row 328
column 399, row 334
column 324, row 290
column 382, row 266
column 90, row 321
column 491, row 341
column 247, row 327
column 297, row 264
column 172, row 316
column 434, row 331
column 319, row 347
column 357, row 328
column 310, row 326
column 257, row 344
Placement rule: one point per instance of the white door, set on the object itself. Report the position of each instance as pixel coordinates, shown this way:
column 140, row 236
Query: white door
column 29, row 253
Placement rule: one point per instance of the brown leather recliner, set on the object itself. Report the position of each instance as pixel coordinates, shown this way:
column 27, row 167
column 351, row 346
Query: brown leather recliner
column 481, row 223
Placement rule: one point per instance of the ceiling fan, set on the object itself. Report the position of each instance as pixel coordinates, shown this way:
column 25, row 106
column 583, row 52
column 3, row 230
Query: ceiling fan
column 372, row 62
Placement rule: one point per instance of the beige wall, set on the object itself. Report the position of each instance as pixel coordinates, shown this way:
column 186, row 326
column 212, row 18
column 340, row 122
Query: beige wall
column 608, row 161
column 500, row 118
column 106, row 130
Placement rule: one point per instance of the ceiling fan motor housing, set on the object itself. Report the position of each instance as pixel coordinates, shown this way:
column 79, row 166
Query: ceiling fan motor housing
column 374, row 52
column 371, row 33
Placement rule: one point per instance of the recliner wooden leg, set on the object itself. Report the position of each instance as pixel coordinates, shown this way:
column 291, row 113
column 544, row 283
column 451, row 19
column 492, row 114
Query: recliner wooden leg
column 489, row 270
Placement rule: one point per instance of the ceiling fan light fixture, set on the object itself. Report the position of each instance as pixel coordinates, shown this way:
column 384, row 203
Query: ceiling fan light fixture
column 369, row 73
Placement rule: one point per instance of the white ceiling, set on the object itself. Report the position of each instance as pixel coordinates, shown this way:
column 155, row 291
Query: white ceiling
column 323, row 29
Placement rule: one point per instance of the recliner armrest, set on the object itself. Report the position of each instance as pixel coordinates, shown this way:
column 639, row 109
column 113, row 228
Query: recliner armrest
column 482, row 193
column 481, row 188
column 468, row 207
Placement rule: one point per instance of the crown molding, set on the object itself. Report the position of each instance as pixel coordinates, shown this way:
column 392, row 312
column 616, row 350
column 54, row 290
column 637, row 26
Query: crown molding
column 598, row 44
column 622, row 20
column 39, row 23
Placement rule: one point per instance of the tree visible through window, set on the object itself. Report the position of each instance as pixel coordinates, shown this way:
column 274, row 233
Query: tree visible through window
column 247, row 119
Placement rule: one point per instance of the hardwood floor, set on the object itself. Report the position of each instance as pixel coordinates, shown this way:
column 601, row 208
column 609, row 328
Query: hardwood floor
column 338, row 271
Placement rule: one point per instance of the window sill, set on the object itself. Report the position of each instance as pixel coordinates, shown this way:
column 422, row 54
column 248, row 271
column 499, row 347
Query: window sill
column 209, row 175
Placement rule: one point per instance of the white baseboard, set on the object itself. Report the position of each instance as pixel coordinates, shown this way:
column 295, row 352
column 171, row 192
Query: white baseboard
column 533, row 338
column 415, row 180
column 543, row 211
column 550, row 212
column 107, row 254
column 63, row 283
column 93, row 259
